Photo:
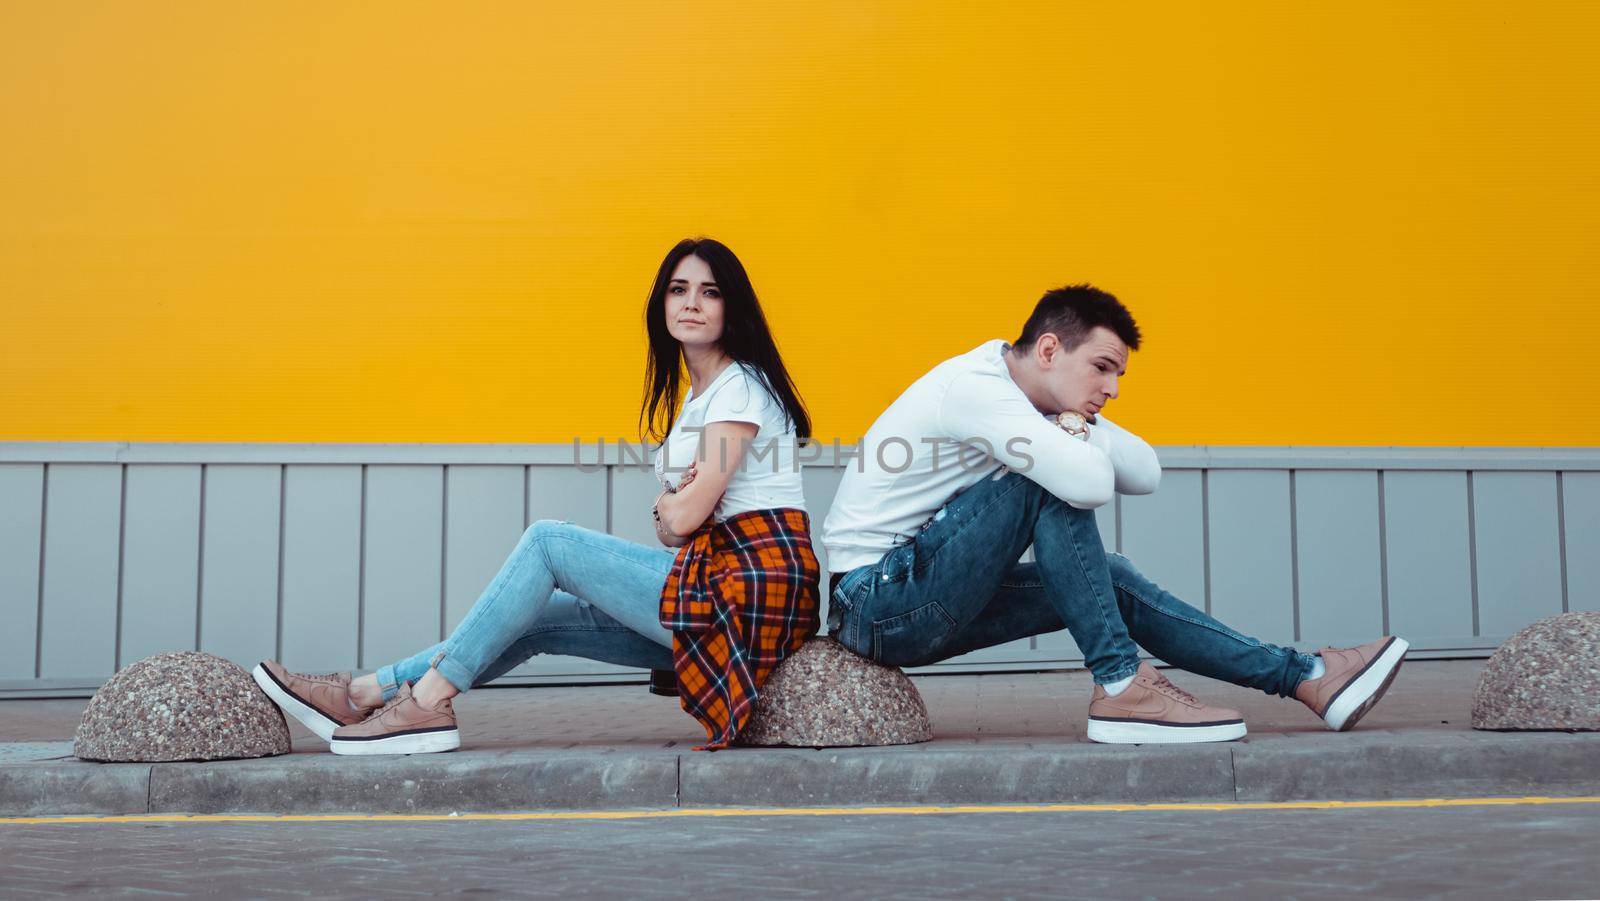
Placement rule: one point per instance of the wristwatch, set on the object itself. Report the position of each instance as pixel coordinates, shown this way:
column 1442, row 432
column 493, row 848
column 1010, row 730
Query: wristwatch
column 1073, row 424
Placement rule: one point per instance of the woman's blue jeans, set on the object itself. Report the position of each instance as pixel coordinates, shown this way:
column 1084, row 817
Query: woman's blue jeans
column 564, row 590
column 955, row 587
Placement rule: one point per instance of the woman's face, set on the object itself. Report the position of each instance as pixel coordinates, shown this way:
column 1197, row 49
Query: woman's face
column 694, row 304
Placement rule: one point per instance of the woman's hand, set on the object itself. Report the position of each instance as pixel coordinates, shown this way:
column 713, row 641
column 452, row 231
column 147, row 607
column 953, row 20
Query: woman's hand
column 688, row 475
column 663, row 534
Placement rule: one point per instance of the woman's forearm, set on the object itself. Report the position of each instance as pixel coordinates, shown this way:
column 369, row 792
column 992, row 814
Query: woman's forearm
column 668, row 539
column 679, row 517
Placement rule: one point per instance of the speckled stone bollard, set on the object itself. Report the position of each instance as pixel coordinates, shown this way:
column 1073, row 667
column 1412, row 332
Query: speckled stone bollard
column 1545, row 677
column 825, row 696
column 180, row 706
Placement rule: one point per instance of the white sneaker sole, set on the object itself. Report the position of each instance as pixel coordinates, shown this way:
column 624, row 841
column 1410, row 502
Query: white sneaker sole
column 414, row 743
column 1366, row 689
column 1117, row 732
column 304, row 713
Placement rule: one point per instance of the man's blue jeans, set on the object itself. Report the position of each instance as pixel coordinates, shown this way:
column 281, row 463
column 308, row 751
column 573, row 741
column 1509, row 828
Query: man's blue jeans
column 607, row 611
column 956, row 587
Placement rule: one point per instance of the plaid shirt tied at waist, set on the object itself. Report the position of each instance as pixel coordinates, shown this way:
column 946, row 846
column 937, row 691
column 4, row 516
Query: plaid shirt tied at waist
column 742, row 595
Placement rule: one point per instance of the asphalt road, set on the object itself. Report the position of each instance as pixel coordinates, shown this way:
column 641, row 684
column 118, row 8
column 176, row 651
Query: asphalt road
column 1505, row 851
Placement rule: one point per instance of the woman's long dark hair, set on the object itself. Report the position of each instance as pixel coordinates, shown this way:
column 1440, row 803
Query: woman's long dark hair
column 745, row 338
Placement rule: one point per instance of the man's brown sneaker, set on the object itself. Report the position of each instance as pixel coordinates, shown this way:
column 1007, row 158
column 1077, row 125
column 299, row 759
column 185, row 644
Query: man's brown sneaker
column 320, row 703
column 401, row 726
column 1355, row 679
column 1154, row 711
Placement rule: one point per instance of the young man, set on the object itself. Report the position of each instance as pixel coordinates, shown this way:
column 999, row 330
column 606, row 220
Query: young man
column 1002, row 447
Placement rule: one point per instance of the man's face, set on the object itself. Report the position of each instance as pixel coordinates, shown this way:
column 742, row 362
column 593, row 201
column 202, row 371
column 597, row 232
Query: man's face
column 1083, row 379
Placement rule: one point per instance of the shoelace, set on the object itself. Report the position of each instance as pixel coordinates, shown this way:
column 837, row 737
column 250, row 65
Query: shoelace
column 1165, row 685
column 330, row 679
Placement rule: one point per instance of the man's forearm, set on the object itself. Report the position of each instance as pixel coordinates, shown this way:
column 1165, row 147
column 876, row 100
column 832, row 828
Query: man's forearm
column 1138, row 469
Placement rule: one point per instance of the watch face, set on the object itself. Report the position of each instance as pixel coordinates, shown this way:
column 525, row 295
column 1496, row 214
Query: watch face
column 1070, row 420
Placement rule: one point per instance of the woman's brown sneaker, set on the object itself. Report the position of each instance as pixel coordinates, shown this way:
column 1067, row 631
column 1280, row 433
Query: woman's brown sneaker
column 1154, row 711
column 1355, row 679
column 320, row 703
column 401, row 726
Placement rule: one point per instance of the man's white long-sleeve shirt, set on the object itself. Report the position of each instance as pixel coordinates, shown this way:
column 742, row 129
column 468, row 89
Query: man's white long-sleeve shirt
column 962, row 422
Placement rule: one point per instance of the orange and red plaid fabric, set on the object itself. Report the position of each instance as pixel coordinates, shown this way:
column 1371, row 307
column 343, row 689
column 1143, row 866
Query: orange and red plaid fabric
column 742, row 595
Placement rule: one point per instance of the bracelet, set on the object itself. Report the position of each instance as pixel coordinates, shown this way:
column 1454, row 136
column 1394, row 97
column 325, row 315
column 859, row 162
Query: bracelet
column 655, row 511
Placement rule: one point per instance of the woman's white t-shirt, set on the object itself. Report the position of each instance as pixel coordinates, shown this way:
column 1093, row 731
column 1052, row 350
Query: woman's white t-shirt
column 767, row 477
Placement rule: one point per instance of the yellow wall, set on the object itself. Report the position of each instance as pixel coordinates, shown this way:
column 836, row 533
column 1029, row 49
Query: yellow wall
column 1338, row 223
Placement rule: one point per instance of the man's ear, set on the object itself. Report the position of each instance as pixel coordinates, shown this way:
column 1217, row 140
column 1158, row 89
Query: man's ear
column 1047, row 347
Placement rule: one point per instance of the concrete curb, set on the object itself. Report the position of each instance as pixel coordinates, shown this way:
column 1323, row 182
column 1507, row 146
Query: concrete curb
column 1380, row 765
column 1355, row 766
column 65, row 789
column 305, row 783
column 971, row 775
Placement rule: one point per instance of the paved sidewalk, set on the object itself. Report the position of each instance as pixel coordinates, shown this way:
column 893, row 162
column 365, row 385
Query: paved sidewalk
column 1007, row 738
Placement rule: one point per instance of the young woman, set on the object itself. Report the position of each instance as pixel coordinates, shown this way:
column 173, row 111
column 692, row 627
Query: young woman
column 731, row 506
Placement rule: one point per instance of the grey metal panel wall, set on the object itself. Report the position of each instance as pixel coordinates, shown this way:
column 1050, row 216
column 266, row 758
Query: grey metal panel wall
column 334, row 556
column 569, row 493
column 322, row 524
column 1250, row 533
column 1164, row 533
column 820, row 485
column 1429, row 552
column 82, row 544
column 1517, row 543
column 160, row 560
column 239, row 560
column 632, row 490
column 21, row 528
column 1580, row 508
column 404, row 554
column 483, row 521
column 1338, row 557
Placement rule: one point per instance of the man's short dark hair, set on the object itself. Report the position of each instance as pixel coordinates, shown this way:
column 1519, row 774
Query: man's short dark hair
column 1071, row 313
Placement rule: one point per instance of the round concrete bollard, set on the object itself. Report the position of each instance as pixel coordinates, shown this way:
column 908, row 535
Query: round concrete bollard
column 1546, row 677
column 180, row 706
column 824, row 696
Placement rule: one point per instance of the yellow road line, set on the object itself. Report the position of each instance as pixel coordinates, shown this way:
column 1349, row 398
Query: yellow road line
column 789, row 811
